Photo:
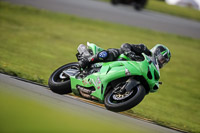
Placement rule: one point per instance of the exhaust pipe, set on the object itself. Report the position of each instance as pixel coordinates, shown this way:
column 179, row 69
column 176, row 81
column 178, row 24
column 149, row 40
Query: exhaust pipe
column 84, row 90
column 86, row 93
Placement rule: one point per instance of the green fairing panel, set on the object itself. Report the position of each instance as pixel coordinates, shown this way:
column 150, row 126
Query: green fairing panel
column 97, row 80
column 154, row 72
column 122, row 56
column 109, row 72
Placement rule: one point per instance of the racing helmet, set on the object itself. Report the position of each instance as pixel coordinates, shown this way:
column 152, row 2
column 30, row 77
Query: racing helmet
column 162, row 54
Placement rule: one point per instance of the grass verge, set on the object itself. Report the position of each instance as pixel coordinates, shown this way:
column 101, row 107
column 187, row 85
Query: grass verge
column 33, row 43
column 185, row 12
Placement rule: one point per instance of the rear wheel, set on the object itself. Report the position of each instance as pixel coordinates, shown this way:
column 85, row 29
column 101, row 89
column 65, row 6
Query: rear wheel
column 59, row 82
column 118, row 101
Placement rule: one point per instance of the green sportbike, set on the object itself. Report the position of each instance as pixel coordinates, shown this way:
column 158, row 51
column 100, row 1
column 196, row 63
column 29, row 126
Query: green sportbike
column 120, row 84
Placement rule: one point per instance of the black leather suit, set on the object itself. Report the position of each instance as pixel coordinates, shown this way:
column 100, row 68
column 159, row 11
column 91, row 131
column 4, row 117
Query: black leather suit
column 133, row 51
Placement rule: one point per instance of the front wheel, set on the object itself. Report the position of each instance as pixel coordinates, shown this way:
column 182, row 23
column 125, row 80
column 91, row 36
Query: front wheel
column 118, row 102
column 59, row 82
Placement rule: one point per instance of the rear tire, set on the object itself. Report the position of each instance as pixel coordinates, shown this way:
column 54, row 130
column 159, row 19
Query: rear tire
column 58, row 85
column 125, row 104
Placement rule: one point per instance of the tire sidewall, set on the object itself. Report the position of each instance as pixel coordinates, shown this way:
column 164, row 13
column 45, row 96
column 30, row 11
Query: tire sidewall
column 60, row 87
column 133, row 101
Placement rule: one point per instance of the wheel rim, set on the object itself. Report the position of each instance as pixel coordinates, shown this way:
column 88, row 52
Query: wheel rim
column 116, row 97
column 119, row 97
column 59, row 76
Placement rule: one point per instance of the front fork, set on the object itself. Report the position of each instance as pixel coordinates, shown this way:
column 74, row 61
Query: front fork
column 130, row 84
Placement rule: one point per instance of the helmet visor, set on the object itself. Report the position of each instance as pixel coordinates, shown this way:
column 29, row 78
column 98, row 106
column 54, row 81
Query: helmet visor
column 162, row 60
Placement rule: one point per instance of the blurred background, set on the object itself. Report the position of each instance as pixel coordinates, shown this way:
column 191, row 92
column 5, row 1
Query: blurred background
column 139, row 4
column 36, row 37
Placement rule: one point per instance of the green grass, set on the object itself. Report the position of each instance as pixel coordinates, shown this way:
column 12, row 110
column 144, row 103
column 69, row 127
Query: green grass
column 33, row 43
column 161, row 6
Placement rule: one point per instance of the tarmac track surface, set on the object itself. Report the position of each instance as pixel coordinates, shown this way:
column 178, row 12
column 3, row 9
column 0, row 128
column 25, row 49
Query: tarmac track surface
column 119, row 14
column 43, row 93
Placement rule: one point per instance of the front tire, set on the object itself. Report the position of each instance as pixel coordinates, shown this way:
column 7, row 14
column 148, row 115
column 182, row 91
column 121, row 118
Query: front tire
column 61, row 85
column 127, row 103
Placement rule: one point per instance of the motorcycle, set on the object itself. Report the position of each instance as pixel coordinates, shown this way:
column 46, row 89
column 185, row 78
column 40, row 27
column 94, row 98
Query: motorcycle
column 137, row 4
column 120, row 84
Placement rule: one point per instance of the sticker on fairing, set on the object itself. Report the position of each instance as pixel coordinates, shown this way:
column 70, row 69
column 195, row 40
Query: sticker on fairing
column 85, row 82
column 97, row 82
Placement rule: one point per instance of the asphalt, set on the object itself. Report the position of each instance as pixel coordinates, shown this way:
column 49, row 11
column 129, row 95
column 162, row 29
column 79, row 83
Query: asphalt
column 32, row 90
column 119, row 14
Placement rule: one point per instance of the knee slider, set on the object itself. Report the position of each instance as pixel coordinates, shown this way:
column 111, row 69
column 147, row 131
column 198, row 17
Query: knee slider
column 103, row 55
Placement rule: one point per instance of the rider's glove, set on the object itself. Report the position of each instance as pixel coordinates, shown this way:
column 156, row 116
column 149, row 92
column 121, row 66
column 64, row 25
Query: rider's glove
column 133, row 56
column 130, row 54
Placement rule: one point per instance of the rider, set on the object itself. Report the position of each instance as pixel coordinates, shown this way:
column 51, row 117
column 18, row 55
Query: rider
column 133, row 51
